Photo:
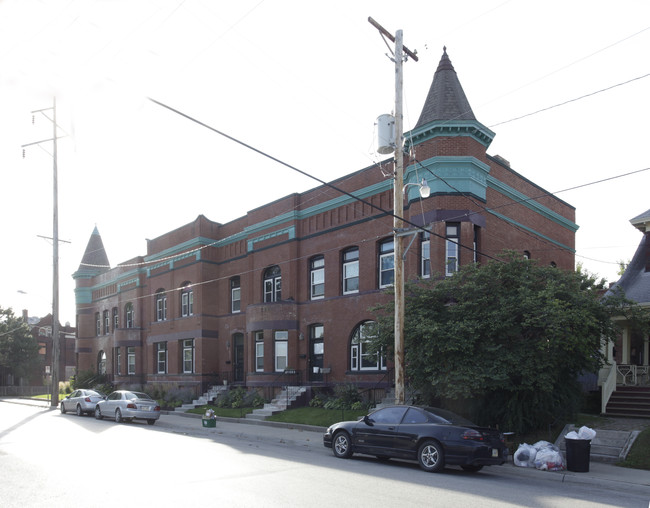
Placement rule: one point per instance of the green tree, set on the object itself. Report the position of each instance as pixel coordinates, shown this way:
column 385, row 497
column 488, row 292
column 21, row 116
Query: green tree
column 19, row 350
column 506, row 341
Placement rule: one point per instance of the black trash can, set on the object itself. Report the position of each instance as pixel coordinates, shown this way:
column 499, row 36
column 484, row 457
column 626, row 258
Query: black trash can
column 577, row 455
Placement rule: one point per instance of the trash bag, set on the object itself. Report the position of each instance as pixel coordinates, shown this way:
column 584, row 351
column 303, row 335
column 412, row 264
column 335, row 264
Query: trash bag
column 572, row 435
column 549, row 457
column 525, row 455
column 586, row 433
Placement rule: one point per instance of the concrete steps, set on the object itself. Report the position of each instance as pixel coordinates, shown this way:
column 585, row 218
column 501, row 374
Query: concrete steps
column 608, row 446
column 285, row 399
column 212, row 393
column 629, row 401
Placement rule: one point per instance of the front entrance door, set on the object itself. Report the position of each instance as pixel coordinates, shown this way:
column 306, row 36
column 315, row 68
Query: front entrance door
column 316, row 353
column 238, row 340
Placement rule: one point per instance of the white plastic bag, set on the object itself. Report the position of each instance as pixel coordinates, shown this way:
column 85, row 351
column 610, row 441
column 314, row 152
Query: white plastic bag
column 572, row 435
column 586, row 433
column 548, row 457
column 525, row 456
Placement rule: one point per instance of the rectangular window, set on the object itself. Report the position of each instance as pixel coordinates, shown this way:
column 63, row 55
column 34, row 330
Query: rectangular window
column 452, row 238
column 187, row 303
column 130, row 358
column 188, row 356
column 425, row 246
column 259, row 351
column 116, row 319
column 98, row 324
column 161, row 355
column 351, row 271
column 107, row 323
column 235, row 295
column 317, row 275
column 386, row 263
column 118, row 361
column 281, row 350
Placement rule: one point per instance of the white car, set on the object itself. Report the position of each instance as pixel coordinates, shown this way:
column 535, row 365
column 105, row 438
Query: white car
column 125, row 405
column 81, row 401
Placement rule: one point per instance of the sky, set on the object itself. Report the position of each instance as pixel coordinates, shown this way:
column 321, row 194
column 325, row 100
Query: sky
column 564, row 85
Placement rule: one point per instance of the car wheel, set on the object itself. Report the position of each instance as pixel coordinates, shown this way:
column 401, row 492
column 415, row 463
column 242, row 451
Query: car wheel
column 62, row 408
column 151, row 422
column 118, row 416
column 79, row 411
column 471, row 468
column 431, row 456
column 342, row 447
column 98, row 413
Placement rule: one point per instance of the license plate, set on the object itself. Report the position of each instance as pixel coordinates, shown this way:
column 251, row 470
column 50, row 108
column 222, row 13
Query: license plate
column 145, row 408
column 495, row 452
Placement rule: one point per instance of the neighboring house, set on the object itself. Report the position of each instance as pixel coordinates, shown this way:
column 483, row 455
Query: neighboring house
column 630, row 355
column 283, row 294
column 42, row 332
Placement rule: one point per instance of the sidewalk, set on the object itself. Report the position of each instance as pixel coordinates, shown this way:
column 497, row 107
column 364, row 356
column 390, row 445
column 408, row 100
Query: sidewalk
column 305, row 436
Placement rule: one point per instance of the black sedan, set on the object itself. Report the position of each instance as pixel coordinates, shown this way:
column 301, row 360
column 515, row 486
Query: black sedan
column 434, row 437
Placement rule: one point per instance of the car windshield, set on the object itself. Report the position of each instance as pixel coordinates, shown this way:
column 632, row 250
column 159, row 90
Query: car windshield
column 93, row 392
column 443, row 416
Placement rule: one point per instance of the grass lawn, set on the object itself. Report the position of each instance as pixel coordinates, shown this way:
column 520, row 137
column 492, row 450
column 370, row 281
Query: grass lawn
column 317, row 416
column 639, row 456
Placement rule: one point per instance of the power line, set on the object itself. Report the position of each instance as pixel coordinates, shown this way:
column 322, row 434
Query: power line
column 570, row 100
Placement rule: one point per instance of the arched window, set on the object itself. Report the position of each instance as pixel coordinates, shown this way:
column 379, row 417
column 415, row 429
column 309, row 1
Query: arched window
column 361, row 357
column 187, row 300
column 161, row 305
column 129, row 315
column 101, row 363
column 272, row 284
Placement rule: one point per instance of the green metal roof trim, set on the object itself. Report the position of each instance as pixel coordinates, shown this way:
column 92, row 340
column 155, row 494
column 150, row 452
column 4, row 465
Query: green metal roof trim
column 448, row 175
column 437, row 128
column 533, row 205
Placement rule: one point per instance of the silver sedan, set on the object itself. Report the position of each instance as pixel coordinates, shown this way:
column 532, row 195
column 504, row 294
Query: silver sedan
column 126, row 405
column 81, row 401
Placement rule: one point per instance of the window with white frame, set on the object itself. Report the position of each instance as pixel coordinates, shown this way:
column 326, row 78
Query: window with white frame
column 475, row 246
column 130, row 359
column 161, row 305
column 350, row 262
column 452, row 235
column 116, row 319
column 188, row 356
column 259, row 351
column 386, row 263
column 317, row 277
column 129, row 315
column 281, row 350
column 361, row 355
column 98, row 324
column 272, row 284
column 107, row 323
column 187, row 301
column 161, row 357
column 425, row 257
column 235, row 295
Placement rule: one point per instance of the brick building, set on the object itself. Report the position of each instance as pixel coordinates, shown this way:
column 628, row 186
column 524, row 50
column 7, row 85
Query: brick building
column 282, row 294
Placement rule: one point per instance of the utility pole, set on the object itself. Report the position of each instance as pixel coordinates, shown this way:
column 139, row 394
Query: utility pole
column 398, row 209
column 54, row 401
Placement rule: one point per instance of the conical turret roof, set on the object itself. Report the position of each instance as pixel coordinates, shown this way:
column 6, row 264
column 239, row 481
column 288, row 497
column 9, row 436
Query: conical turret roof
column 446, row 99
column 95, row 260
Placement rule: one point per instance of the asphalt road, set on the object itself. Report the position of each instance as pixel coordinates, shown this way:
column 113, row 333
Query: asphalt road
column 54, row 460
